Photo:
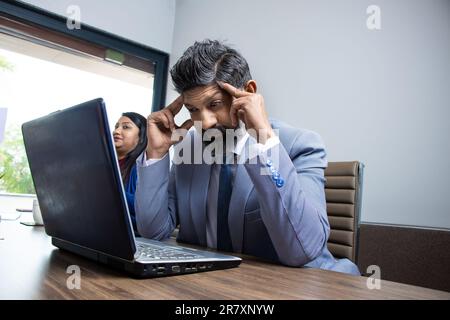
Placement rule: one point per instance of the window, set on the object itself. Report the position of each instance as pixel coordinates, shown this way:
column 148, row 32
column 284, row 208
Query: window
column 45, row 67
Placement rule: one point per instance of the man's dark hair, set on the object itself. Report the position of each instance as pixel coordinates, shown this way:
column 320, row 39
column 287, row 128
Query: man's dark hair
column 209, row 61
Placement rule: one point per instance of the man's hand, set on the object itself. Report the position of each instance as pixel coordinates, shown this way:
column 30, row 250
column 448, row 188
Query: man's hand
column 160, row 126
column 249, row 107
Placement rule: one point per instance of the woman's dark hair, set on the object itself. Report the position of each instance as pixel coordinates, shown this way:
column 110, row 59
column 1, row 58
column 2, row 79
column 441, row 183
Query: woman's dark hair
column 131, row 157
column 209, row 61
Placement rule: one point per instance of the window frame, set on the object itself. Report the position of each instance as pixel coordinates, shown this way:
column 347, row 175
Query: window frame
column 28, row 14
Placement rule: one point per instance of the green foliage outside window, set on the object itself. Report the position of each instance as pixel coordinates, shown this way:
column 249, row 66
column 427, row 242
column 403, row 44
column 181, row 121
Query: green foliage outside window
column 15, row 176
column 5, row 65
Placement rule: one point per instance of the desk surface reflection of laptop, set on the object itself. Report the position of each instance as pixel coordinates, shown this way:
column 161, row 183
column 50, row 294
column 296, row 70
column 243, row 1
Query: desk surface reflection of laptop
column 79, row 187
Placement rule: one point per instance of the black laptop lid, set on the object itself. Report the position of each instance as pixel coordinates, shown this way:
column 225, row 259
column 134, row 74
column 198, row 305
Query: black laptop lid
column 77, row 180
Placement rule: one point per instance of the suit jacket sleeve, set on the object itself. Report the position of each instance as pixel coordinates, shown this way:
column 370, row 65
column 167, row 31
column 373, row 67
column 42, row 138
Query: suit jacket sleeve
column 295, row 213
column 155, row 200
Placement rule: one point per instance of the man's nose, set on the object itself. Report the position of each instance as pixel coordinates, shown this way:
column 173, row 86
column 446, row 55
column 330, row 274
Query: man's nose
column 208, row 119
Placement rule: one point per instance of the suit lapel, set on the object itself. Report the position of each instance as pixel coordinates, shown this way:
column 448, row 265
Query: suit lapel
column 198, row 197
column 242, row 187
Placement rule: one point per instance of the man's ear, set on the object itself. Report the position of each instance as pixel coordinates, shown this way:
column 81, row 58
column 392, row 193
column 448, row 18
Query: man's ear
column 251, row 86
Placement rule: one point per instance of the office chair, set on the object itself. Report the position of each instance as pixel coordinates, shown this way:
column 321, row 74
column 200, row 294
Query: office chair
column 343, row 191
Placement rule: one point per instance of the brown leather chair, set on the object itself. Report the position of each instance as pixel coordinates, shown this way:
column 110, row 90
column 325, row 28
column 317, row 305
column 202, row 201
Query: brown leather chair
column 343, row 191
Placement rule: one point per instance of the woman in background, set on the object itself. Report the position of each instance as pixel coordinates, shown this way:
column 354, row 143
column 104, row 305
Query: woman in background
column 130, row 140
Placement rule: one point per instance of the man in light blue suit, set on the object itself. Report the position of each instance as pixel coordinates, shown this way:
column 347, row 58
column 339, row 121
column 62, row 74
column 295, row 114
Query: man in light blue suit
column 266, row 198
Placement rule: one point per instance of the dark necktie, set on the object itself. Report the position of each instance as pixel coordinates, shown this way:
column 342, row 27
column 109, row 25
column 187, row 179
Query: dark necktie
column 223, row 203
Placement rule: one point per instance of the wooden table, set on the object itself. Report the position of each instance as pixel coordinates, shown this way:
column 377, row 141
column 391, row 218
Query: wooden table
column 31, row 268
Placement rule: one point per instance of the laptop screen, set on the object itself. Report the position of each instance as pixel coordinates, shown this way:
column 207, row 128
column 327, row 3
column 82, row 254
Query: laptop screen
column 77, row 180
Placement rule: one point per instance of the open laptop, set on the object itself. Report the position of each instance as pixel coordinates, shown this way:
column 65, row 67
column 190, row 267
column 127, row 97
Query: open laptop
column 81, row 196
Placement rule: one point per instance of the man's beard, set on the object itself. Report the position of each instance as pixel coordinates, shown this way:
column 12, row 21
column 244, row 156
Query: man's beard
column 214, row 137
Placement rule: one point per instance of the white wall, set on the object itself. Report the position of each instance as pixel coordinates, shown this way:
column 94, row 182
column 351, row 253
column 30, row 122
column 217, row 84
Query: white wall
column 381, row 97
column 149, row 22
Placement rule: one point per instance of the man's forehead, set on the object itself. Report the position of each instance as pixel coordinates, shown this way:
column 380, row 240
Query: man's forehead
column 201, row 93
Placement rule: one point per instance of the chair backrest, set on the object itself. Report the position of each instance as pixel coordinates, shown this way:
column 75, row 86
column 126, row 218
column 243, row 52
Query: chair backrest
column 343, row 191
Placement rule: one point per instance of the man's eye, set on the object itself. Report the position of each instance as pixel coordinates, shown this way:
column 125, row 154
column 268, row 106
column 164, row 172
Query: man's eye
column 192, row 110
column 216, row 104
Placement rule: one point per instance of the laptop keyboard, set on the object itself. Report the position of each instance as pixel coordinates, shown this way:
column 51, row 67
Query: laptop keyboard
column 164, row 253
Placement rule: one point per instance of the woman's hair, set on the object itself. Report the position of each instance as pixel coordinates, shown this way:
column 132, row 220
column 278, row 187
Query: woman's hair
column 131, row 157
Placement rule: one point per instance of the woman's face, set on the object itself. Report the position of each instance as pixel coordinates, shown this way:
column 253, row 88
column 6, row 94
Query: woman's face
column 126, row 136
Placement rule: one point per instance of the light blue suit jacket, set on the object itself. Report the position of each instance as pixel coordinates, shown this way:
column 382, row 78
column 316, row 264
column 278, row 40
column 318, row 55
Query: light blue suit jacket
column 286, row 224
